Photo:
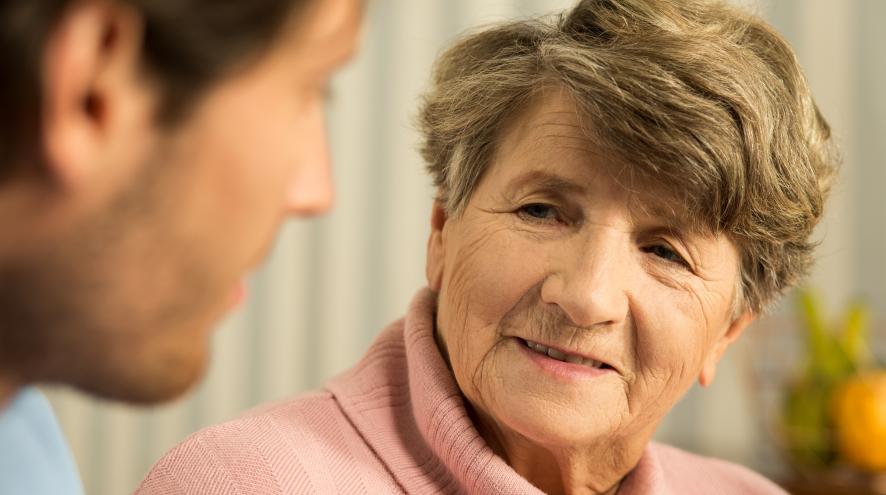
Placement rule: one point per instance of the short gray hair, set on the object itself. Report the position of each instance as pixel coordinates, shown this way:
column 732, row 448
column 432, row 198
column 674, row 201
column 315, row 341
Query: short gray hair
column 706, row 99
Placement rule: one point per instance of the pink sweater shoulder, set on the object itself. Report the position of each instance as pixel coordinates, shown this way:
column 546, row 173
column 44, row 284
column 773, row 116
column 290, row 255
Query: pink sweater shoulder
column 685, row 472
column 305, row 445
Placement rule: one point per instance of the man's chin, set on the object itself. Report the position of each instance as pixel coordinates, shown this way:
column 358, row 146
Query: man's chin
column 147, row 383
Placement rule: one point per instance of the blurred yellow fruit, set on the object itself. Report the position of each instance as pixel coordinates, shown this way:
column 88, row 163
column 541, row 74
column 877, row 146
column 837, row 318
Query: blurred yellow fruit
column 859, row 414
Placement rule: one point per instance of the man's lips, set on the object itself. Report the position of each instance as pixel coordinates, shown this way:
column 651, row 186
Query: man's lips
column 238, row 294
column 565, row 355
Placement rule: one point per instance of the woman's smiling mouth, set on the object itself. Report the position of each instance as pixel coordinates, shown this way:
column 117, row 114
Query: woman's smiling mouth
column 562, row 356
column 562, row 363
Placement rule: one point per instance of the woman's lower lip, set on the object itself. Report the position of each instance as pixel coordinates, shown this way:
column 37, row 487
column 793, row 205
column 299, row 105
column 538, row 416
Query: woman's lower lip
column 561, row 369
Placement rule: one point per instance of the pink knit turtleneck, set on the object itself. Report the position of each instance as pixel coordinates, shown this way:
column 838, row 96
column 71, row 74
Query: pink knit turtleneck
column 394, row 423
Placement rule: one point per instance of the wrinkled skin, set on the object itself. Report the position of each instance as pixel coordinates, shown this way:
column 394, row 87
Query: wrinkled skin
column 553, row 248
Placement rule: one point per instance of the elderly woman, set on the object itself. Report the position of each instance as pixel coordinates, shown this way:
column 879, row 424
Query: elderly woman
column 620, row 191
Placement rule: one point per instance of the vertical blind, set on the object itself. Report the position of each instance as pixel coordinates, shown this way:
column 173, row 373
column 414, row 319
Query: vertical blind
column 331, row 284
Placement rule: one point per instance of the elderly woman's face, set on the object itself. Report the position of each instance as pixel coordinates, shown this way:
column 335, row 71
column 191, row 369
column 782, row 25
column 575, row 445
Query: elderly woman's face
column 571, row 308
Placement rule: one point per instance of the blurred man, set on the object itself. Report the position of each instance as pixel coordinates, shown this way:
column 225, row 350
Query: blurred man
column 149, row 150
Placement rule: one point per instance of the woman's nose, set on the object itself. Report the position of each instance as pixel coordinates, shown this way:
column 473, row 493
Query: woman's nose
column 589, row 281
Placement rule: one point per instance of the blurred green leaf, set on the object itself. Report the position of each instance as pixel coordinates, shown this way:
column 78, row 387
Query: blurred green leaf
column 826, row 356
column 855, row 337
column 833, row 353
column 806, row 424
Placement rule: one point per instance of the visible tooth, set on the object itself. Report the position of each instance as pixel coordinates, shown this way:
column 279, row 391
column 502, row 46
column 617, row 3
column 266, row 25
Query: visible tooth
column 560, row 356
column 535, row 346
column 554, row 353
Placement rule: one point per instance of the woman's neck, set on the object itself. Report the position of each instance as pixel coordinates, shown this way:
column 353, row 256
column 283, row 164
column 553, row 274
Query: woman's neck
column 596, row 469
column 588, row 471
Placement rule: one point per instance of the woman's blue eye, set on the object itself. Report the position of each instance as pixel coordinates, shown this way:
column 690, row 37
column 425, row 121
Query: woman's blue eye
column 539, row 211
column 666, row 253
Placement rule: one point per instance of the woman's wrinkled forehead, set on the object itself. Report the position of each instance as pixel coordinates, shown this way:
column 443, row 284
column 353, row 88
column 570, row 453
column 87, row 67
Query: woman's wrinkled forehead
column 560, row 153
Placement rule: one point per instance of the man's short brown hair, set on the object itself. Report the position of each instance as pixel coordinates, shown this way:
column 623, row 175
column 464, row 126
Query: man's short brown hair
column 187, row 45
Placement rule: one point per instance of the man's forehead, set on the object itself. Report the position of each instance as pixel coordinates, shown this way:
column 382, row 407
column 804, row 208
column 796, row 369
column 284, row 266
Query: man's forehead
column 325, row 33
column 333, row 19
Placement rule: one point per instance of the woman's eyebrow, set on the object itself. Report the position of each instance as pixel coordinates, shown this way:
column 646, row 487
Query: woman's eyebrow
column 549, row 181
column 664, row 217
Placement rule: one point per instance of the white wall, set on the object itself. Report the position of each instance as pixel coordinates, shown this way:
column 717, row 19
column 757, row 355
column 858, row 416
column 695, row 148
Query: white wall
column 331, row 284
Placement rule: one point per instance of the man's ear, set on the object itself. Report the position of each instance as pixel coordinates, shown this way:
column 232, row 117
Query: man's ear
column 436, row 248
column 736, row 328
column 89, row 88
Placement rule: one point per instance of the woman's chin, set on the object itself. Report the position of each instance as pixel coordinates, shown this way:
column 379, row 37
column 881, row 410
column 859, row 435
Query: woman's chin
column 545, row 418
column 560, row 432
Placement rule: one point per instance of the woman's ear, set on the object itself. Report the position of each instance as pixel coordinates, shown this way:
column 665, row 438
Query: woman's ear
column 436, row 248
column 736, row 328
column 90, row 89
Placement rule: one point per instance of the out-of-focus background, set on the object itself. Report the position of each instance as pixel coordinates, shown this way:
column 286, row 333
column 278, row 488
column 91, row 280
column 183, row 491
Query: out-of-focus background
column 331, row 284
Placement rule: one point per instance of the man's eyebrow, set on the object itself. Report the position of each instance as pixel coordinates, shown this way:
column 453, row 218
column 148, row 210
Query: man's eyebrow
column 549, row 181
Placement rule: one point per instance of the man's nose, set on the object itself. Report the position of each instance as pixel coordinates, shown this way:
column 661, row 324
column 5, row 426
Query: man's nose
column 311, row 190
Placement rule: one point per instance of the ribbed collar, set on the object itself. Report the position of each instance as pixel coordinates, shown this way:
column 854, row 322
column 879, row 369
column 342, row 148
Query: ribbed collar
column 441, row 415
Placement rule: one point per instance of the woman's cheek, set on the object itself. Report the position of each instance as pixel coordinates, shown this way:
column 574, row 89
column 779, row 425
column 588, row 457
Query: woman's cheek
column 486, row 281
column 484, row 285
column 666, row 348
